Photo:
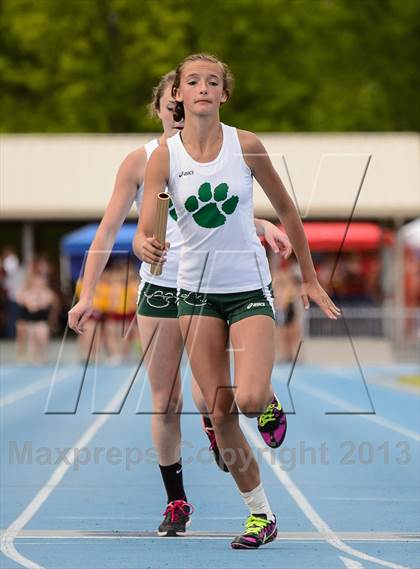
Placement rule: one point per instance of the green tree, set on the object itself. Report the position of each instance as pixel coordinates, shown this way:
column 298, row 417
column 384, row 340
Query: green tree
column 300, row 65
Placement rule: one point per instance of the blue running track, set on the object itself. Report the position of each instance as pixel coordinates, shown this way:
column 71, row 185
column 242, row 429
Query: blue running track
column 82, row 489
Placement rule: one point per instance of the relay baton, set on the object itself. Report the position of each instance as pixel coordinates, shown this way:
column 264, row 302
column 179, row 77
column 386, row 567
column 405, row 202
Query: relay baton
column 160, row 226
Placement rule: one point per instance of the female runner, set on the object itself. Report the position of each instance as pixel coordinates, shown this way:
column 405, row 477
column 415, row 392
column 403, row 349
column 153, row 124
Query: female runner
column 223, row 277
column 157, row 311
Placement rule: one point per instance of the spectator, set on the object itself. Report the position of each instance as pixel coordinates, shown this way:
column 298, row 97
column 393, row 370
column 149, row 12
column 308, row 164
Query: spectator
column 90, row 342
column 12, row 277
column 121, row 310
column 36, row 301
column 288, row 314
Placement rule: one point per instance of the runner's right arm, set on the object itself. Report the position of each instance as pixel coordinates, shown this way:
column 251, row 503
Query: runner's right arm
column 129, row 177
column 145, row 246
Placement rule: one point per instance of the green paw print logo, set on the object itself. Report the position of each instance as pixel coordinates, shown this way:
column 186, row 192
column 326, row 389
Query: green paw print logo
column 211, row 208
column 172, row 211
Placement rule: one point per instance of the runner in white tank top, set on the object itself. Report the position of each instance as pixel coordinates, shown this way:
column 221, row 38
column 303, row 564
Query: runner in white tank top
column 220, row 305
column 214, row 204
column 162, row 368
column 173, row 235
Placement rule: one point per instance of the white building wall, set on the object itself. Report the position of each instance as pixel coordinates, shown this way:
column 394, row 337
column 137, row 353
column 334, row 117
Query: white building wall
column 72, row 176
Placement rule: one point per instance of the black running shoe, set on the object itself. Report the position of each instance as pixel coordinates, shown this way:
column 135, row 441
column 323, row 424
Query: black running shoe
column 177, row 519
column 208, row 429
column 258, row 531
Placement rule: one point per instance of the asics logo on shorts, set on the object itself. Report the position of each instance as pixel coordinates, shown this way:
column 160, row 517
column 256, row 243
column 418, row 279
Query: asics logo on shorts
column 255, row 305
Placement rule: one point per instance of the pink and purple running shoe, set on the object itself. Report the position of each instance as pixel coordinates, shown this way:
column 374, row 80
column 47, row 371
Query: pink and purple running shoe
column 258, row 531
column 208, row 429
column 272, row 424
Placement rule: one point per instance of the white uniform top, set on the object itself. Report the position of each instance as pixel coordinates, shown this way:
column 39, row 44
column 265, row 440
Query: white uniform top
column 173, row 235
column 214, row 203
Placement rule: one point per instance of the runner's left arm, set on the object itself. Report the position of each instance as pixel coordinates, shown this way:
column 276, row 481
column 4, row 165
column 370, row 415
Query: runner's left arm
column 256, row 156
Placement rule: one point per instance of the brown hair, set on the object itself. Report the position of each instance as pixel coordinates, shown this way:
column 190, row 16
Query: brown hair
column 166, row 81
column 228, row 80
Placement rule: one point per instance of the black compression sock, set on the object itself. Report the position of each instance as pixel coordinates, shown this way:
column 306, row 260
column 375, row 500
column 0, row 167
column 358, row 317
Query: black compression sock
column 207, row 421
column 172, row 479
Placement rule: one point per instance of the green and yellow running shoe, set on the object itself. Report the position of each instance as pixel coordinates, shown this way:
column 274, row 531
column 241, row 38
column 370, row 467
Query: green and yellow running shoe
column 258, row 531
column 272, row 424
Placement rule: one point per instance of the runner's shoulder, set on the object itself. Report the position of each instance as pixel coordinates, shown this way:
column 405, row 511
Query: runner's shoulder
column 249, row 141
column 159, row 160
column 161, row 152
column 136, row 159
column 133, row 166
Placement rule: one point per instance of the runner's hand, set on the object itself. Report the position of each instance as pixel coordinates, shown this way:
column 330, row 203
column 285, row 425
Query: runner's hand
column 278, row 241
column 314, row 291
column 79, row 315
column 151, row 251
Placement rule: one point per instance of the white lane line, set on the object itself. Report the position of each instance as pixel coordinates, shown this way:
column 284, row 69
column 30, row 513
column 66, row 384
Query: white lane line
column 324, row 529
column 306, row 536
column 10, row 534
column 320, row 394
column 32, row 388
column 351, row 563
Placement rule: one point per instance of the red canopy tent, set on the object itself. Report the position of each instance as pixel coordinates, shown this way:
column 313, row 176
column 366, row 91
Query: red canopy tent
column 360, row 236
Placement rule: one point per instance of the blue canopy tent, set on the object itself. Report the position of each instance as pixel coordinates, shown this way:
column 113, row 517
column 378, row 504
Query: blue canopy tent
column 75, row 245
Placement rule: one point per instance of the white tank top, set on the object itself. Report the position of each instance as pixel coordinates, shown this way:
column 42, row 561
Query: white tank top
column 168, row 278
column 214, row 203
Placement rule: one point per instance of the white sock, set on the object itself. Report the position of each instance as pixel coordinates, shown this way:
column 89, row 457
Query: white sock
column 257, row 502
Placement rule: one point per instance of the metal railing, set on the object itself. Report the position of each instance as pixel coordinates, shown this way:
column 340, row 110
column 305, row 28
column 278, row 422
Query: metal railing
column 401, row 325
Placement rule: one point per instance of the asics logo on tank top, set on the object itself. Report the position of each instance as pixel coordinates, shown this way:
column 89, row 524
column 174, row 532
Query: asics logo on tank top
column 212, row 206
column 187, row 173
